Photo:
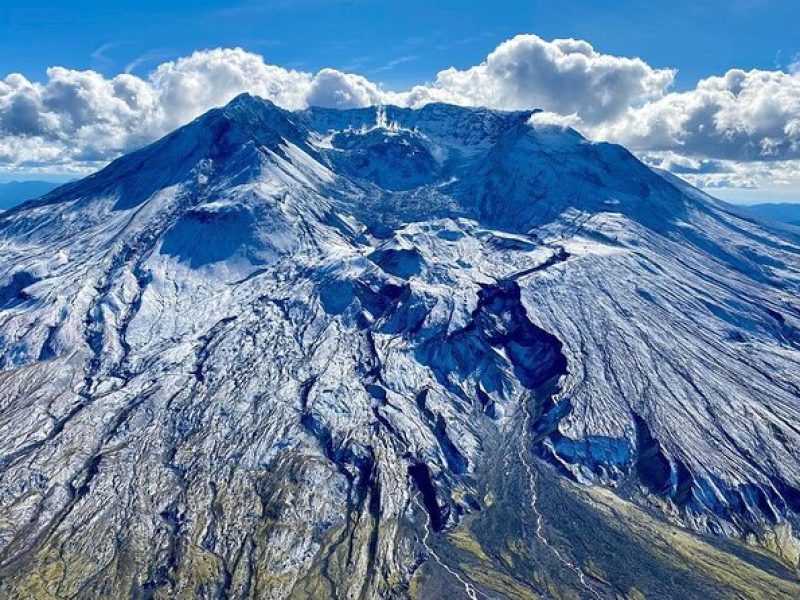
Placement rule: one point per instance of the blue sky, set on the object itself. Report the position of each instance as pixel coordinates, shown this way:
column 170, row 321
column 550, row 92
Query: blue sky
column 742, row 140
column 397, row 43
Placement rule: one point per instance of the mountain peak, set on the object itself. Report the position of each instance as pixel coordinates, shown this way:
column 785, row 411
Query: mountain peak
column 437, row 147
column 247, row 97
column 246, row 102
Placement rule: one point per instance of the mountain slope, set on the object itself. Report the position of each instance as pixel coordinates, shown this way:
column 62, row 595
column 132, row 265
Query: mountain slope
column 389, row 353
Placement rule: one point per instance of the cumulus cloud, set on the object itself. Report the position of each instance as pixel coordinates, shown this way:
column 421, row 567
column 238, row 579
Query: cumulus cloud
column 564, row 76
column 190, row 86
column 80, row 119
column 742, row 115
column 334, row 89
column 75, row 116
column 737, row 129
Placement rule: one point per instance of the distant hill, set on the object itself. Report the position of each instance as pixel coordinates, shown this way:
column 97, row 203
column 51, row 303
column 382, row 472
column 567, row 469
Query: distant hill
column 17, row 192
column 783, row 212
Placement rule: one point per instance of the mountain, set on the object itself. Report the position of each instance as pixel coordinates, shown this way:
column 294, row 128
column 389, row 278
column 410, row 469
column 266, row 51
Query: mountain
column 391, row 353
column 783, row 212
column 13, row 193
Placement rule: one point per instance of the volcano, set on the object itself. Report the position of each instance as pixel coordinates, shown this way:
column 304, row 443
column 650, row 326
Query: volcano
column 393, row 353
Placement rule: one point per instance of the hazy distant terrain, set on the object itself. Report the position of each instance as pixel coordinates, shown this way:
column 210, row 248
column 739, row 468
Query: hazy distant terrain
column 17, row 192
column 784, row 212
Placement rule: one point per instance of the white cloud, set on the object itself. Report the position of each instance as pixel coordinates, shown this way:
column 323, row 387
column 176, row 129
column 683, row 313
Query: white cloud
column 76, row 116
column 753, row 115
column 80, row 118
column 334, row 89
column 190, row 86
column 773, row 178
column 563, row 76
column 742, row 181
column 551, row 118
column 740, row 129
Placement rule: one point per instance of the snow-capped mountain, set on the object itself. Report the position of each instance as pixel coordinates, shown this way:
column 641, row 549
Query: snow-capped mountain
column 390, row 353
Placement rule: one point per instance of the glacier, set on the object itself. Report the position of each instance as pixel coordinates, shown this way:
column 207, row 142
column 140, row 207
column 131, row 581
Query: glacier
column 391, row 353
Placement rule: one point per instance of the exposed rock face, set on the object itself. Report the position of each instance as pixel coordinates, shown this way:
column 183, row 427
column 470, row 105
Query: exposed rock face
column 385, row 353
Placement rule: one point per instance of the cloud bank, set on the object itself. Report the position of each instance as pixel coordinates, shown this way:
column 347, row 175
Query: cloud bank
column 731, row 130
